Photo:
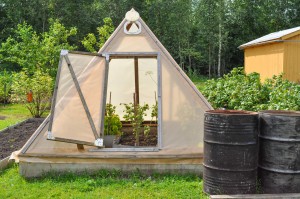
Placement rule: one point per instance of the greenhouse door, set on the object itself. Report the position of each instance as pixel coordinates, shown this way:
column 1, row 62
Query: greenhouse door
column 133, row 90
column 76, row 111
column 88, row 82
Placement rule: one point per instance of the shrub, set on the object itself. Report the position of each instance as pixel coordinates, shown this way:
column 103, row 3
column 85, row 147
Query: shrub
column 40, row 83
column 239, row 91
column 6, row 80
column 112, row 123
column 135, row 115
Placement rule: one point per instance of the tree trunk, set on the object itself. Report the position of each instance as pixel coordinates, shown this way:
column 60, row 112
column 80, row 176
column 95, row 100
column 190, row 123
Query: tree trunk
column 209, row 61
column 220, row 50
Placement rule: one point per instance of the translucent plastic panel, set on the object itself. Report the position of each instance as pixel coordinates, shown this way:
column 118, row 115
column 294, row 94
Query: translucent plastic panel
column 148, row 83
column 70, row 120
column 120, row 83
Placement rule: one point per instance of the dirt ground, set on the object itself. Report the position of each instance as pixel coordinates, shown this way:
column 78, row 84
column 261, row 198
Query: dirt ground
column 128, row 138
column 13, row 139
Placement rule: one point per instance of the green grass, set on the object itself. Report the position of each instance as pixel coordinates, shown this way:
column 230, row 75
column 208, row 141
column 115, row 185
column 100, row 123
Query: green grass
column 104, row 184
column 14, row 113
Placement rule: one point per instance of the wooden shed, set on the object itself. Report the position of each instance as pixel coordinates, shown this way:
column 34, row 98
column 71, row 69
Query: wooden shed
column 275, row 53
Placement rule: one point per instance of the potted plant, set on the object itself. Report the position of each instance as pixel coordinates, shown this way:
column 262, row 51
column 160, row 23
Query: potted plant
column 112, row 125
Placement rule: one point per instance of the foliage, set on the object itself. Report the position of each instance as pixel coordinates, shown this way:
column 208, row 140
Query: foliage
column 6, row 80
column 237, row 90
column 40, row 83
column 112, row 123
column 90, row 41
column 135, row 115
column 154, row 111
column 200, row 34
column 37, row 51
column 102, row 184
column 283, row 94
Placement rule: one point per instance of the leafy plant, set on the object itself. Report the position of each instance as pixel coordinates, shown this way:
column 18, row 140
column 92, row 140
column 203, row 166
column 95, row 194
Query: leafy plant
column 112, row 123
column 90, row 42
column 40, row 83
column 6, row 80
column 34, row 51
column 154, row 112
column 239, row 91
column 135, row 115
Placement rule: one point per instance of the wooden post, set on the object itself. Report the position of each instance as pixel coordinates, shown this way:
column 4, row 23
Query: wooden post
column 104, row 92
column 136, row 80
column 80, row 147
column 110, row 97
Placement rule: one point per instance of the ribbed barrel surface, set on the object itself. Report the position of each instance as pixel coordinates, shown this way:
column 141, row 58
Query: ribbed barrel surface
column 230, row 152
column 279, row 154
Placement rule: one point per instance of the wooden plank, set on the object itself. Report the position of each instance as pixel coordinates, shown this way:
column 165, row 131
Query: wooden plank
column 73, row 141
column 85, row 53
column 132, row 56
column 136, row 80
column 77, row 86
column 118, row 156
column 159, row 105
column 5, row 163
column 253, row 196
column 104, row 95
column 56, row 89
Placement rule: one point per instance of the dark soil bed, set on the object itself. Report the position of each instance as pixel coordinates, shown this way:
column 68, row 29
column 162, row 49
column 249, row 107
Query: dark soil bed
column 14, row 138
column 128, row 138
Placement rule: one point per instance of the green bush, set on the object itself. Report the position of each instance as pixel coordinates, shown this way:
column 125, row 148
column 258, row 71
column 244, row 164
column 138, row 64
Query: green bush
column 6, row 80
column 134, row 113
column 112, row 122
column 239, row 91
column 40, row 83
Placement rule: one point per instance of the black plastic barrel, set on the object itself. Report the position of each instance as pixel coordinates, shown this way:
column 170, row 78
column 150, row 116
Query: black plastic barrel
column 279, row 153
column 230, row 152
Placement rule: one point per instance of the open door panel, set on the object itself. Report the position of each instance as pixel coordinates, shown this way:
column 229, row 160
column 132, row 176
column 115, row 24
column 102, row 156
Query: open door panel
column 77, row 102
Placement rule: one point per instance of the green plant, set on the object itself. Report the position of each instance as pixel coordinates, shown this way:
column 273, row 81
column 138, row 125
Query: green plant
column 112, row 123
column 135, row 115
column 40, row 83
column 6, row 80
column 90, row 42
column 239, row 91
column 34, row 51
column 154, row 111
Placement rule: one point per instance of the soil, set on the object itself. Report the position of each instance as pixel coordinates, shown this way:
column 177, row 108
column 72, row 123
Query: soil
column 128, row 138
column 14, row 138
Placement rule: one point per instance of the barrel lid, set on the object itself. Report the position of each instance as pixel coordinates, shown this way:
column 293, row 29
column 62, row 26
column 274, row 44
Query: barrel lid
column 281, row 113
column 231, row 112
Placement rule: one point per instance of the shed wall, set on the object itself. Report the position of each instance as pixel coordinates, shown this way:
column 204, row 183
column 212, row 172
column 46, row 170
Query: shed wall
column 266, row 60
column 291, row 67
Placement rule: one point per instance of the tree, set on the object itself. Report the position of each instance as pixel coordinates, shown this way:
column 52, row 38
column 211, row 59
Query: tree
column 90, row 41
column 37, row 51
column 40, row 84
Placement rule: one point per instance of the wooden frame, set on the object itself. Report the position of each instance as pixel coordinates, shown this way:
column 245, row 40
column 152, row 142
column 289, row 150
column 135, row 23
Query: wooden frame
column 108, row 57
column 64, row 55
column 135, row 56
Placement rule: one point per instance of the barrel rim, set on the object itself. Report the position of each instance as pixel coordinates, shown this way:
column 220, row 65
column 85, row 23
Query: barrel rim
column 280, row 113
column 231, row 112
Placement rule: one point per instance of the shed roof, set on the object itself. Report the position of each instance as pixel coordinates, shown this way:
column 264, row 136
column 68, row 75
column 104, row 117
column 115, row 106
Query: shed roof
column 272, row 37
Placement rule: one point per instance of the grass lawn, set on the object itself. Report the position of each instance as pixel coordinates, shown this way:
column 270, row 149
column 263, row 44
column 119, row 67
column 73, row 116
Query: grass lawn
column 13, row 114
column 104, row 184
